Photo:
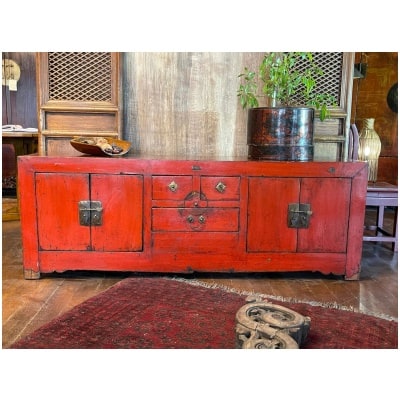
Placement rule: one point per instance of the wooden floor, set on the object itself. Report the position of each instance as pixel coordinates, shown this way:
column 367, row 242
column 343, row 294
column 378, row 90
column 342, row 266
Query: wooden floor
column 28, row 304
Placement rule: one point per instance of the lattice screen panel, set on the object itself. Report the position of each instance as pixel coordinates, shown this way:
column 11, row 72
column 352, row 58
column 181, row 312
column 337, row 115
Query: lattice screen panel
column 79, row 76
column 330, row 82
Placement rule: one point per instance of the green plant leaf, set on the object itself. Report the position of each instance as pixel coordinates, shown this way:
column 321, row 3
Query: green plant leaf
column 279, row 79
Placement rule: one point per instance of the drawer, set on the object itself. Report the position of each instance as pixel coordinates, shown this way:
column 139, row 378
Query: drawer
column 195, row 219
column 171, row 187
column 220, row 188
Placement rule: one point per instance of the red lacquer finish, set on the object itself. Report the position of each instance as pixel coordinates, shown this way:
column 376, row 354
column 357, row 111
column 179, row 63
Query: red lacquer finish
column 57, row 197
column 190, row 215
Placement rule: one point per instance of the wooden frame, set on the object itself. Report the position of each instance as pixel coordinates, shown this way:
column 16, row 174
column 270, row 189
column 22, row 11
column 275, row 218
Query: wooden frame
column 332, row 135
column 60, row 119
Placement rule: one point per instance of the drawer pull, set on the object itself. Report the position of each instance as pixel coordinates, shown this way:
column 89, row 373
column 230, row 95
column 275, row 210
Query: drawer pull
column 220, row 187
column 173, row 186
column 190, row 219
column 202, row 219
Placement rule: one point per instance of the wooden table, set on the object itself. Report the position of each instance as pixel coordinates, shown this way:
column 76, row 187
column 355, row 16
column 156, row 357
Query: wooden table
column 24, row 142
column 381, row 195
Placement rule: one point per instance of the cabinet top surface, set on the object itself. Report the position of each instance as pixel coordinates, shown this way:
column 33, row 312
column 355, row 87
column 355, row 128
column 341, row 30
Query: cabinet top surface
column 156, row 165
column 201, row 158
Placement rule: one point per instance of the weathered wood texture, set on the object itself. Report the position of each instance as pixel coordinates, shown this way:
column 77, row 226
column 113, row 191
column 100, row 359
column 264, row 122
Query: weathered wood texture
column 185, row 104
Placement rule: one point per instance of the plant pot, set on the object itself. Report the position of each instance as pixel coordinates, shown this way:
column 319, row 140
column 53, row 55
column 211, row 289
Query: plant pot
column 280, row 133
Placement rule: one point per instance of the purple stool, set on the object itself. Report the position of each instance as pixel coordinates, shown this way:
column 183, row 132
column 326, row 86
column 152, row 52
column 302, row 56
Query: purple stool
column 381, row 195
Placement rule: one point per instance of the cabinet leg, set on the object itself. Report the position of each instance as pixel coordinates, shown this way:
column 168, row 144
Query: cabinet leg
column 29, row 274
column 354, row 277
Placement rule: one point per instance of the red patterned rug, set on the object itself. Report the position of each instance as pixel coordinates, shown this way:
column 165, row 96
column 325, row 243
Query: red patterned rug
column 160, row 313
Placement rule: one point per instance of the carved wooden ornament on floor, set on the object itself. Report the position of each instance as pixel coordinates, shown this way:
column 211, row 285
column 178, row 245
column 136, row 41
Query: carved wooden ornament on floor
column 262, row 325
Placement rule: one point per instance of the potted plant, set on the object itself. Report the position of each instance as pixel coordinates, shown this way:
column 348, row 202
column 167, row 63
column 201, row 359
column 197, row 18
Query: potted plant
column 283, row 130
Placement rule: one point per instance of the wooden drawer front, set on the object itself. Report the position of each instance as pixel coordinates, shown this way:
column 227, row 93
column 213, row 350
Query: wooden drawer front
column 171, row 187
column 196, row 219
column 220, row 188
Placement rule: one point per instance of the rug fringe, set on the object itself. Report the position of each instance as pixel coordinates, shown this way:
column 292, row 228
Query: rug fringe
column 334, row 304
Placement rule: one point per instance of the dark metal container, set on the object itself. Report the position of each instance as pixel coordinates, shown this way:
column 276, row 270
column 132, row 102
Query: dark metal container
column 281, row 133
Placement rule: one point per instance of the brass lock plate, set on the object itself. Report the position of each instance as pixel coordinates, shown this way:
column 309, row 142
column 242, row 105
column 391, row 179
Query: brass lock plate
column 299, row 215
column 90, row 213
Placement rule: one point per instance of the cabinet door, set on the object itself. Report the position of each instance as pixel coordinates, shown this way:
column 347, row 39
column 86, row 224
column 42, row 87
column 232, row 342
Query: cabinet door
column 121, row 197
column 57, row 197
column 267, row 214
column 59, row 227
column 330, row 204
column 269, row 198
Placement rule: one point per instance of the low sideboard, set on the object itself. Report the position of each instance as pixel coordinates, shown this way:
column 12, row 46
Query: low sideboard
column 180, row 216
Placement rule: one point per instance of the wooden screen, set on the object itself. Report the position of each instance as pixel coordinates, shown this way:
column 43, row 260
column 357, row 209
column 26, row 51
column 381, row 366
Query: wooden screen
column 78, row 95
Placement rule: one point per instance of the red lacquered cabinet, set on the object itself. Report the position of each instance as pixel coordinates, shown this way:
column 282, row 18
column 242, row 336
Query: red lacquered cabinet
column 156, row 215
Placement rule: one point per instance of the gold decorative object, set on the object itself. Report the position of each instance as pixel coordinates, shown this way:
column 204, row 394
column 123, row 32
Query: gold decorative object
column 370, row 148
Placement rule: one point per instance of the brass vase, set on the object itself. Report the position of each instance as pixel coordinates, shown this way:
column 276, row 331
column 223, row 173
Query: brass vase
column 370, row 147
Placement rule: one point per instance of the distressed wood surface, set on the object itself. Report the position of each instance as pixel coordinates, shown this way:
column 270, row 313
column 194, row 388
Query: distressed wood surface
column 185, row 103
column 194, row 231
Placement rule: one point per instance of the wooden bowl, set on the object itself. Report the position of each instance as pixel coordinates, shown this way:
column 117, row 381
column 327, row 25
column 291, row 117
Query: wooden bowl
column 78, row 143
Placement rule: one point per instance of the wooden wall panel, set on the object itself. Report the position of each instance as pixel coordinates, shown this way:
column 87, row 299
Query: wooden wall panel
column 185, row 104
column 19, row 107
column 369, row 101
column 81, row 122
